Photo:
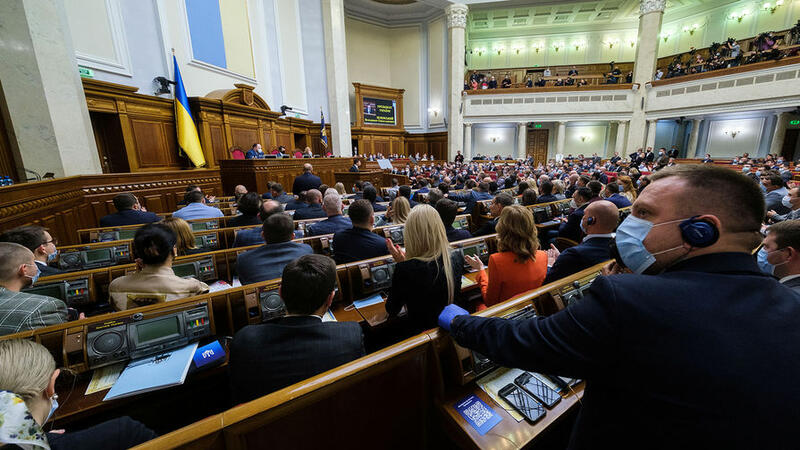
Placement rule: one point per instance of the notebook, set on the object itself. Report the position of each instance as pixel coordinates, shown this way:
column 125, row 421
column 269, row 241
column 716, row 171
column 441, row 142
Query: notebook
column 153, row 373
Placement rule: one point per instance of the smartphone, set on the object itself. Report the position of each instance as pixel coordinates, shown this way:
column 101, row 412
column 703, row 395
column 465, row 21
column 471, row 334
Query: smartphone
column 522, row 402
column 538, row 390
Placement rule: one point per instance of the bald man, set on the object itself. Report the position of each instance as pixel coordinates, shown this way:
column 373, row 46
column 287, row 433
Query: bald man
column 599, row 222
column 314, row 209
column 306, row 181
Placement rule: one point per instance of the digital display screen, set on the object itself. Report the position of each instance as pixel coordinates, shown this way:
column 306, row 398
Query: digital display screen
column 103, row 254
column 198, row 241
column 471, row 251
column 184, row 270
column 379, row 111
column 157, row 329
column 127, row 234
column 457, row 224
column 49, row 290
column 199, row 226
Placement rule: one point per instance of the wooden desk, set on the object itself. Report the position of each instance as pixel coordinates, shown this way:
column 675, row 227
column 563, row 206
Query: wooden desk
column 349, row 178
column 255, row 173
column 508, row 433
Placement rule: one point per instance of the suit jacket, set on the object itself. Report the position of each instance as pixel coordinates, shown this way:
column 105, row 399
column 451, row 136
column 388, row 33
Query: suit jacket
column 673, row 153
column 356, row 244
column 267, row 357
column 571, row 229
column 376, row 207
column 546, row 198
column 45, row 270
column 620, row 200
column 252, row 154
column 354, row 168
column 773, row 200
column 791, row 215
column 267, row 262
column 456, row 235
column 305, row 182
column 295, row 204
column 649, row 156
column 284, row 198
column 487, row 228
column 688, row 350
column 243, row 220
column 330, row 225
column 128, row 217
column 250, row 236
column 794, row 284
column 470, row 198
column 574, row 259
column 314, row 211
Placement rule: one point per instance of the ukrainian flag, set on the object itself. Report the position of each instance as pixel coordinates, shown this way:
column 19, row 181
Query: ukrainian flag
column 323, row 135
column 188, row 141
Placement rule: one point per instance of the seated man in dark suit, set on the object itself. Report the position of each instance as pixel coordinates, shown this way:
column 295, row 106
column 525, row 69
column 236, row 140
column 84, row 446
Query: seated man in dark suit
column 306, row 181
column 448, row 210
column 314, row 209
column 298, row 203
column 782, row 244
column 547, row 193
column 599, row 221
column 267, row 357
column 253, row 236
column 248, row 206
column 405, row 191
column 472, row 197
column 356, row 164
column 612, row 194
column 267, row 262
column 39, row 241
column 255, row 152
column 279, row 195
column 359, row 242
column 371, row 195
column 571, row 228
column 335, row 221
column 496, row 207
column 129, row 212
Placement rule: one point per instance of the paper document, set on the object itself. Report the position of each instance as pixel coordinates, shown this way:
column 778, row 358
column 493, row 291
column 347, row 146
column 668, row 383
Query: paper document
column 153, row 373
column 495, row 381
column 218, row 286
column 466, row 282
column 104, row 377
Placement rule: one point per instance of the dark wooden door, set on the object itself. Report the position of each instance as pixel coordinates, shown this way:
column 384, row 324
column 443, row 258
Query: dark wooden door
column 537, row 145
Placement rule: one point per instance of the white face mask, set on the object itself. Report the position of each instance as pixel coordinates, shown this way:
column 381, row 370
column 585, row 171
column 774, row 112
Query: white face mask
column 53, row 407
column 786, row 201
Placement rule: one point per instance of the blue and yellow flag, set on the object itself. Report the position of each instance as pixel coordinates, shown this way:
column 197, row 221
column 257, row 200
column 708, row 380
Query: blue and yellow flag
column 188, row 141
column 323, row 135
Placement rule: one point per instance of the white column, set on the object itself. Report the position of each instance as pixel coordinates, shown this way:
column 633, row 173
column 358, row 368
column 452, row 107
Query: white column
column 456, row 23
column 467, row 142
column 522, row 134
column 561, row 136
column 651, row 134
column 338, row 83
column 49, row 120
column 779, row 135
column 650, row 14
column 691, row 150
column 619, row 146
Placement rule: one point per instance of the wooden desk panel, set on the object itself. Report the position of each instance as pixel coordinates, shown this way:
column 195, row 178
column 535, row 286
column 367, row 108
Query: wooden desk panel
column 255, row 173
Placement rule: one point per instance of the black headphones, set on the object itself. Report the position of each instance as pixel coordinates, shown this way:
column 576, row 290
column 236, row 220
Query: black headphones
column 590, row 220
column 699, row 232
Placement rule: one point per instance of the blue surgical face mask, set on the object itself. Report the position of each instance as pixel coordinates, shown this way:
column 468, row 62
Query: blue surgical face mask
column 52, row 256
column 758, row 173
column 34, row 278
column 631, row 234
column 53, row 407
column 763, row 264
column 786, row 201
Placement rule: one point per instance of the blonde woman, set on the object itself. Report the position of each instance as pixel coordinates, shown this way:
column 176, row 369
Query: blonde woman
column 628, row 189
column 558, row 189
column 340, row 188
column 427, row 276
column 519, row 265
column 185, row 242
column 28, row 400
column 398, row 210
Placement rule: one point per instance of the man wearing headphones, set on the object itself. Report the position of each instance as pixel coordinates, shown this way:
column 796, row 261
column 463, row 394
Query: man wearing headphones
column 695, row 348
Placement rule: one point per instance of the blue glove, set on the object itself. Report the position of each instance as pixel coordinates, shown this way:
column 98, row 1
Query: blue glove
column 449, row 313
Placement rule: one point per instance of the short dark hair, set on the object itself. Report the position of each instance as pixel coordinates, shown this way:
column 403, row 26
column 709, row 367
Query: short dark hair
column 405, row 191
column 787, row 234
column 522, row 187
column 584, row 179
column 153, row 243
column 774, row 178
column 613, row 188
column 504, row 199
column 28, row 236
column 277, row 187
column 483, row 186
column 194, row 197
column 528, row 197
column 249, row 204
column 307, row 282
column 595, row 186
column 355, row 160
column 192, row 187
column 124, row 201
column 492, row 186
column 370, row 193
column 278, row 228
column 447, row 210
column 359, row 211
column 358, row 185
column 265, row 211
column 734, row 197
column 546, row 188
column 585, row 193
column 444, row 187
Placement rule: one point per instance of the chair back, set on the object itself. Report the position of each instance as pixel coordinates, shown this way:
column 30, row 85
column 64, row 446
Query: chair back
column 237, row 153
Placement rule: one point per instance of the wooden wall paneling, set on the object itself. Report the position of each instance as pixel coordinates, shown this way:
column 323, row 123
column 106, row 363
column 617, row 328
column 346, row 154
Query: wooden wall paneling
column 155, row 202
column 217, row 142
column 149, row 143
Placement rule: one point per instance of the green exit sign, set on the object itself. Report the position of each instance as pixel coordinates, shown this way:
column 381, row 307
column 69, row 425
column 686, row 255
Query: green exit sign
column 85, row 72
column 794, row 122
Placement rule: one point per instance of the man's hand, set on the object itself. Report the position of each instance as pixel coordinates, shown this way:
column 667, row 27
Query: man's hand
column 613, row 268
column 449, row 313
column 396, row 251
column 552, row 255
column 771, row 213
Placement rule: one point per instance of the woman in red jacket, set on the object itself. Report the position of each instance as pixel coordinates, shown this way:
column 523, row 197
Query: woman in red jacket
column 519, row 265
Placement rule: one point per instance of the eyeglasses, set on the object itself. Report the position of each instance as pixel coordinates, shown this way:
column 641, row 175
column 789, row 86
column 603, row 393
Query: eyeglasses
column 53, row 241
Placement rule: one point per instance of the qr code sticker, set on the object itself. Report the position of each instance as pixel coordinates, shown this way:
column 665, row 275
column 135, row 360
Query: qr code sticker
column 478, row 413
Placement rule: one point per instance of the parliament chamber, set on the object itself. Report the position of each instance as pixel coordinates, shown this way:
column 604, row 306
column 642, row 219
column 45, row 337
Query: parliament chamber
column 399, row 224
